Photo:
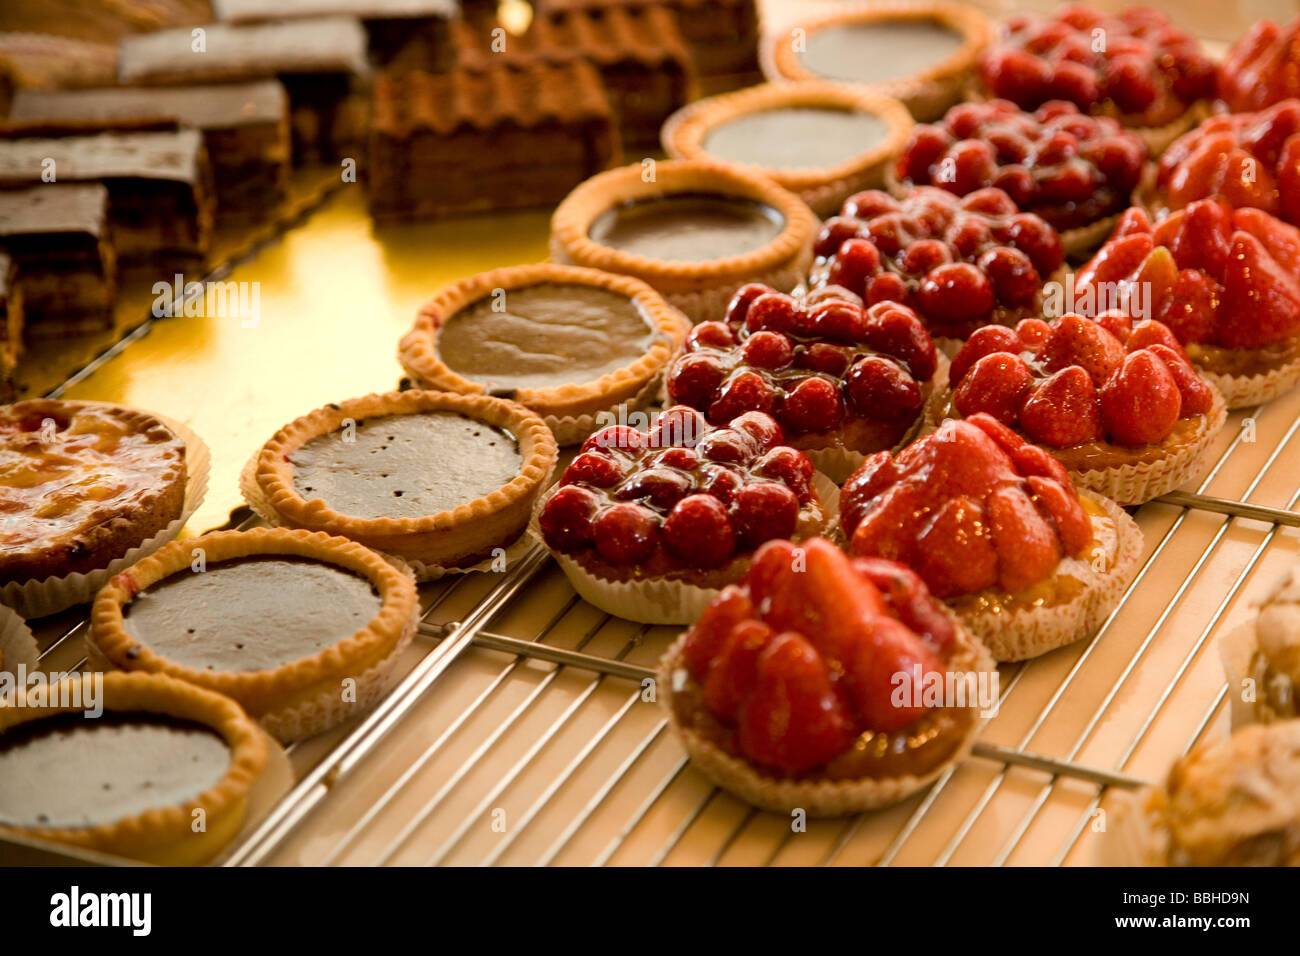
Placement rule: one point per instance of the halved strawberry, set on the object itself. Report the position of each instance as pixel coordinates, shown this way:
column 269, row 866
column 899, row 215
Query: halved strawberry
column 871, row 478
column 1197, row 394
column 909, row 598
column 954, row 554
column 1189, row 309
column 1027, row 546
column 843, row 603
column 1261, row 303
column 733, row 670
column 1147, row 334
column 1115, row 261
column 889, row 653
column 1063, row 410
column 1062, row 506
column 707, row 635
column 1032, row 460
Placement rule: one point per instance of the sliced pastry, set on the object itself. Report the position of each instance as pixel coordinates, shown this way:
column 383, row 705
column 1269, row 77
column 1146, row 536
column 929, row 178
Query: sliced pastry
column 649, row 525
column 923, row 54
column 441, row 480
column 694, row 230
column 822, row 141
column 1116, row 401
column 162, row 775
column 844, row 381
column 1227, row 284
column 1262, row 68
column 566, row 342
column 302, row 629
column 996, row 528
column 958, row 263
column 825, row 683
column 1262, row 658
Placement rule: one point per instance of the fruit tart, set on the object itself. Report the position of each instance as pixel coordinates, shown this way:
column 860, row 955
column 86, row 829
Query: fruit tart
column 1262, row 658
column 1226, row 282
column 1075, row 171
column 1136, row 66
column 1115, row 401
column 568, row 343
column 842, row 380
column 1245, row 159
column 1231, row 801
column 958, row 263
column 1262, row 68
column 786, row 691
column 996, row 528
column 649, row 525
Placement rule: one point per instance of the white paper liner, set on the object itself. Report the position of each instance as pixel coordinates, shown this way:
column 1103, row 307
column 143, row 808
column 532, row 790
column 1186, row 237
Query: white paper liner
column 1246, row 391
column 54, row 594
column 658, row 600
column 17, row 645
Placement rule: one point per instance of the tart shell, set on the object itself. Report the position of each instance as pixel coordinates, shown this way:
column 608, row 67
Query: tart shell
column 299, row 698
column 164, row 835
column 569, row 410
column 824, row 190
column 454, row 538
column 701, row 290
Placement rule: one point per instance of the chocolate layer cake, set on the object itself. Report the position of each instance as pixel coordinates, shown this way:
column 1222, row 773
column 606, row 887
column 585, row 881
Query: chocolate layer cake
column 60, row 240
column 509, row 136
column 11, row 326
column 159, row 185
column 321, row 62
column 245, row 128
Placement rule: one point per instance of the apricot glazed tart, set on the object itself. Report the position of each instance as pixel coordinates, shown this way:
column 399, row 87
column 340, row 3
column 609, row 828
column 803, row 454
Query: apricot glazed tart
column 441, row 480
column 1262, row 68
column 958, row 263
column 566, row 342
column 842, row 381
column 822, row 141
column 134, row 780
column 276, row 619
column 694, row 230
column 923, row 54
column 1136, row 66
column 995, row 527
column 1231, row 801
column 785, row 690
column 648, row 526
column 82, row 483
column 1262, row 658
column 1227, row 284
column 1117, row 402
column 1073, row 170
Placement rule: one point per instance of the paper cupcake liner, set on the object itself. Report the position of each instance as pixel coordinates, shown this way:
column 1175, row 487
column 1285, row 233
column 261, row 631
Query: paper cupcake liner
column 51, row 595
column 657, row 600
column 1022, row 634
column 1247, row 391
column 1237, row 651
column 17, row 645
column 818, row 798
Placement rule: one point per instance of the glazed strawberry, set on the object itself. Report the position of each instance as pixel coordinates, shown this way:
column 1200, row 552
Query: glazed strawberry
column 831, row 372
column 1140, row 404
column 1070, row 168
column 954, row 548
column 1063, row 411
column 1135, row 63
column 997, row 384
column 686, row 501
column 957, row 263
column 732, row 672
column 1262, row 68
column 712, row 630
column 1028, row 546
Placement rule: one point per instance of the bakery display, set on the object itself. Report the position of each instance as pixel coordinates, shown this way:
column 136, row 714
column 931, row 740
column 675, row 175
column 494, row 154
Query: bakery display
column 132, row 781
column 785, row 691
column 822, row 141
column 1224, row 281
column 1075, row 171
column 512, row 135
column 245, row 128
column 1135, row 65
column 1116, row 400
column 843, row 380
column 1262, row 67
column 923, row 54
column 88, row 482
column 648, row 526
column 277, row 620
column 694, row 231
column 60, row 238
column 568, row 343
column 440, row 480
column 995, row 527
column 957, row 263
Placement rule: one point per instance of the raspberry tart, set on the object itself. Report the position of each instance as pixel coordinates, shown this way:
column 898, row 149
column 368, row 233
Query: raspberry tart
column 996, row 528
column 568, row 343
column 785, row 690
column 1226, row 282
column 1262, row 68
column 1073, row 170
column 1136, row 66
column 1246, row 159
column 958, row 263
column 649, row 525
column 1116, row 402
column 842, row 380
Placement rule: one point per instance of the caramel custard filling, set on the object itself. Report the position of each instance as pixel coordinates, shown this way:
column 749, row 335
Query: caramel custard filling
column 688, row 227
column 1243, row 362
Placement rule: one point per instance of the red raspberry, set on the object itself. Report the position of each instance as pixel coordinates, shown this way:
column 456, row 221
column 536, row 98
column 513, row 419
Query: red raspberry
column 957, row 292
column 626, row 534
column 772, row 310
column 728, row 445
column 880, row 388
column 886, row 287
column 1018, row 183
column 812, row 406
column 1036, row 239
column 679, row 425
column 869, row 204
column 720, row 481
column 694, row 380
column 925, row 255
column 766, row 350
column 565, row 520
column 596, row 468
column 738, row 307
column 838, row 321
column 896, row 331
column 1015, row 280
column 792, row 468
column 710, row 335
column 619, row 437
column 685, row 459
column 824, row 357
column 662, row 487
column 983, row 341
column 763, row 511
column 761, row 427
column 989, row 202
column 924, row 148
column 699, row 532
column 746, row 391
column 834, row 233
column 969, row 236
